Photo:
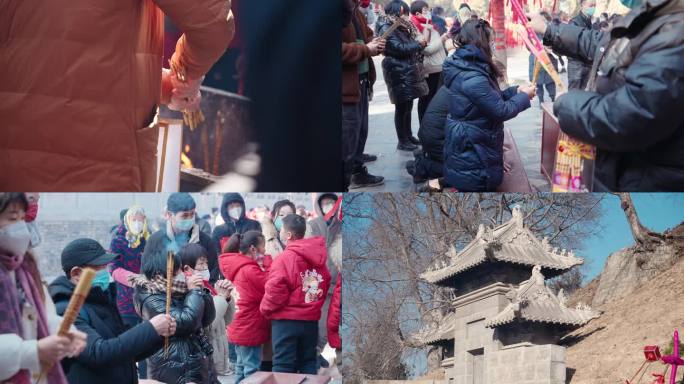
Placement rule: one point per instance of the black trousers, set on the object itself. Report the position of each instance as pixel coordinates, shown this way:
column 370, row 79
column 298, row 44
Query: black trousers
column 294, row 346
column 402, row 120
column 434, row 81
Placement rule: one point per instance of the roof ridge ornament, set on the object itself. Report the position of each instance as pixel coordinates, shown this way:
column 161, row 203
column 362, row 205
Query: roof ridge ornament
column 517, row 215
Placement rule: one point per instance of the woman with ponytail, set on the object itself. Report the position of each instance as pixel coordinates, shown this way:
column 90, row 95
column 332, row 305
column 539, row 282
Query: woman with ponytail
column 243, row 263
column 29, row 323
column 473, row 149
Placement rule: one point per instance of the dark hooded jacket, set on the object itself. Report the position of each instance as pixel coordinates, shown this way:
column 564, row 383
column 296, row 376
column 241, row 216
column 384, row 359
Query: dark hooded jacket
column 111, row 350
column 473, row 147
column 429, row 163
column 189, row 357
column 230, row 226
column 319, row 226
column 159, row 242
column 401, row 65
column 634, row 116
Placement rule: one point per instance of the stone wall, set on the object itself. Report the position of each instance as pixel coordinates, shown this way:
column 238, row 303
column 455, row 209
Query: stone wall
column 534, row 364
column 58, row 233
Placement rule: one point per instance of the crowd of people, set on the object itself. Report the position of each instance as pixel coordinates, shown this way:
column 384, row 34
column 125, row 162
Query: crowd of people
column 624, row 79
column 246, row 296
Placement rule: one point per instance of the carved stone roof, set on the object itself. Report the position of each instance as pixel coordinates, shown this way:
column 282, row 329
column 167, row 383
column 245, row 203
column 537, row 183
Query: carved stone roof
column 444, row 329
column 510, row 242
column 533, row 301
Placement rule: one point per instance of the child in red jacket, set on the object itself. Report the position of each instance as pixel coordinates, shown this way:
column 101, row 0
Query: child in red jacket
column 249, row 329
column 295, row 292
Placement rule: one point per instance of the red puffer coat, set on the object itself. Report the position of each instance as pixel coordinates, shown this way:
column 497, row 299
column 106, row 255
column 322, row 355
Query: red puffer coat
column 334, row 315
column 298, row 282
column 249, row 327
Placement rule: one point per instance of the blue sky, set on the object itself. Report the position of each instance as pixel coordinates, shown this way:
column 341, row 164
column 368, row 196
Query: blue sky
column 657, row 211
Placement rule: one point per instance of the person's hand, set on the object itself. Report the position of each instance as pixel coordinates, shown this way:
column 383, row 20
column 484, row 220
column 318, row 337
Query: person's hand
column 195, row 281
column 53, row 348
column 223, row 288
column 78, row 342
column 190, row 104
column 531, row 91
column 506, row 167
column 381, row 43
column 538, row 23
column 188, row 88
column 374, row 47
column 164, row 324
column 423, row 43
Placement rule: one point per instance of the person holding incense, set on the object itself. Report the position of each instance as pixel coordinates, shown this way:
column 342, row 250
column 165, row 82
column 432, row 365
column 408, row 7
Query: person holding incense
column 188, row 357
column 631, row 110
column 113, row 347
column 194, row 261
column 473, row 147
column 91, row 127
column 401, row 67
column 29, row 323
column 180, row 229
column 249, row 330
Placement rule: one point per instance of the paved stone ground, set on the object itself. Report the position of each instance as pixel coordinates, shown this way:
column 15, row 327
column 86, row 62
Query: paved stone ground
column 382, row 140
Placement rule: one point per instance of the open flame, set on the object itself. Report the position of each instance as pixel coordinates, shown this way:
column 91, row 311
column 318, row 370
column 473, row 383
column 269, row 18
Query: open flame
column 185, row 160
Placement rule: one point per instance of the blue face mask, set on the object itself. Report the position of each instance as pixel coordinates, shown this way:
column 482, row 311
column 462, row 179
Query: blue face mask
column 631, row 4
column 278, row 223
column 184, row 224
column 590, row 11
column 101, row 279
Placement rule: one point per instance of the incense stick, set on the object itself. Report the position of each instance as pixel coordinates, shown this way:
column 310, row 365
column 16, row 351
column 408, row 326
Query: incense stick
column 169, row 286
column 537, row 67
column 191, row 118
column 391, row 29
column 78, row 297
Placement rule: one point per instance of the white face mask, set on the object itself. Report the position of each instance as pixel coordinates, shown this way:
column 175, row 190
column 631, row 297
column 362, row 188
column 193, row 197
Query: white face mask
column 204, row 273
column 137, row 227
column 15, row 238
column 327, row 208
column 235, row 213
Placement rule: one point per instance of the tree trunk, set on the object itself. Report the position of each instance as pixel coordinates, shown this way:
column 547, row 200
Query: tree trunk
column 499, row 26
column 641, row 234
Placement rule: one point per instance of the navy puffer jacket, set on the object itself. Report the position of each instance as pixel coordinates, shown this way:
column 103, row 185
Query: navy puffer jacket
column 473, row 149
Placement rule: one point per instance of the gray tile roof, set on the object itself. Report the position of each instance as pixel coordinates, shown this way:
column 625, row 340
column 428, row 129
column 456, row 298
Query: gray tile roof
column 510, row 242
column 533, row 301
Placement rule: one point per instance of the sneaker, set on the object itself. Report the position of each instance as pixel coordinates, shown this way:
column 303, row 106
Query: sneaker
column 366, row 158
column 407, row 146
column 363, row 179
column 414, row 140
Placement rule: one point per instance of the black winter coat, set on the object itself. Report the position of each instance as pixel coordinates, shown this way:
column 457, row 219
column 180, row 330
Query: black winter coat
column 230, row 226
column 578, row 68
column 111, row 350
column 190, row 350
column 158, row 242
column 635, row 116
column 473, row 147
column 401, row 66
column 431, row 131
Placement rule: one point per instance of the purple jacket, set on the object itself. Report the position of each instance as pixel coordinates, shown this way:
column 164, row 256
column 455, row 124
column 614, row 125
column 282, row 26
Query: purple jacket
column 128, row 259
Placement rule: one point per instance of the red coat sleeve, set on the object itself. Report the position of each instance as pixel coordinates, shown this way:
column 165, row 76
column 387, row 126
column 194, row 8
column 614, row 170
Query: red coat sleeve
column 278, row 289
column 335, row 316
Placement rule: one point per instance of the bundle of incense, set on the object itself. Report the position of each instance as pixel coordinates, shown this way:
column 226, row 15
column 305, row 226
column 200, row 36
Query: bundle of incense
column 191, row 118
column 391, row 29
column 535, row 74
column 72, row 310
column 568, row 172
column 169, row 287
column 534, row 45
